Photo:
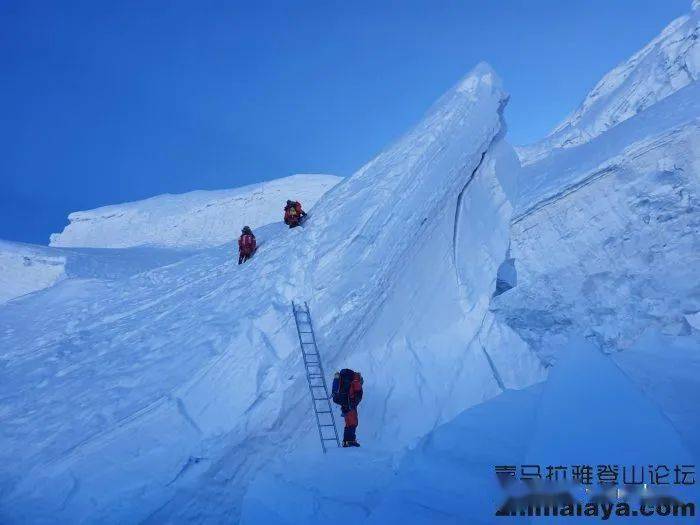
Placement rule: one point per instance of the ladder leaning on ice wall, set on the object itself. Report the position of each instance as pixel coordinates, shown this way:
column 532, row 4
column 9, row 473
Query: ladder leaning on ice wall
column 315, row 376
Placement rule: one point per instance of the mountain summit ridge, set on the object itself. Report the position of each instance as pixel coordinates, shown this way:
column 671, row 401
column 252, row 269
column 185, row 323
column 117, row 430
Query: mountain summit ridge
column 668, row 63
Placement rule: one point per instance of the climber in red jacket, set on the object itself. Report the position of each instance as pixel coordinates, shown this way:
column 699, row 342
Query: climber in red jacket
column 347, row 392
column 293, row 213
column 246, row 245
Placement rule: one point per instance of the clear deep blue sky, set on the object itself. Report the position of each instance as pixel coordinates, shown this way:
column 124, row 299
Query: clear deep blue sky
column 104, row 102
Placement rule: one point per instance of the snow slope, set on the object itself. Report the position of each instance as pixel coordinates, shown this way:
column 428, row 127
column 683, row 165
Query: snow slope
column 163, row 394
column 164, row 229
column 668, row 63
column 452, row 278
column 28, row 268
column 604, row 243
column 25, row 269
column 197, row 219
column 632, row 267
column 607, row 246
column 448, row 478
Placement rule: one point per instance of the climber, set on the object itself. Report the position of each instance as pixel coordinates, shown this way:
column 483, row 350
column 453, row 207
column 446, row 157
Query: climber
column 293, row 214
column 347, row 392
column 246, row 245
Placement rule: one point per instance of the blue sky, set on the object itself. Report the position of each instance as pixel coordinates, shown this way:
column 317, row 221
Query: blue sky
column 105, row 102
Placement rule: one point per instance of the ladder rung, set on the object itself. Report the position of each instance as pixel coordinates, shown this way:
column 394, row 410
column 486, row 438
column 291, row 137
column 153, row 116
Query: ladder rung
column 324, row 412
column 327, row 425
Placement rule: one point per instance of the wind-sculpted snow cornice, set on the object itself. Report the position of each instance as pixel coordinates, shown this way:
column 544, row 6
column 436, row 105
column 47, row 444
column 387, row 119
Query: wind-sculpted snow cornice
column 379, row 212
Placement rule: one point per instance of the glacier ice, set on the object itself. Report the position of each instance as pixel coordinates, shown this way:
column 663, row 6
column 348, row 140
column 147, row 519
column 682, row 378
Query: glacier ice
column 168, row 382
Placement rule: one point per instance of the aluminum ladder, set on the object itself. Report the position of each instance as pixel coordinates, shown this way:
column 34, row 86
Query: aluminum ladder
column 315, row 377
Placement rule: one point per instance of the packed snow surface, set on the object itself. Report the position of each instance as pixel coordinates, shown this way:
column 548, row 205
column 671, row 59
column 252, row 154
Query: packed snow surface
column 448, row 477
column 28, row 268
column 25, row 269
column 197, row 219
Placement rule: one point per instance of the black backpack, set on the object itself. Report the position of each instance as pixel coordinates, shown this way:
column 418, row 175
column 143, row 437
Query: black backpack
column 341, row 385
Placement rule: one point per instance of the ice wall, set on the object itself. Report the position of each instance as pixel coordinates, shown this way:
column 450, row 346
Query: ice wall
column 605, row 238
column 401, row 286
column 605, row 244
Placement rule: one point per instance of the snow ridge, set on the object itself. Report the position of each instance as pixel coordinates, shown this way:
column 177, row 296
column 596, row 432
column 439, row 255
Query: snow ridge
column 198, row 219
column 668, row 63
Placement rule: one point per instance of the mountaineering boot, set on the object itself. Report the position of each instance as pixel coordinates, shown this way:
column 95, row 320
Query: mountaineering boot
column 350, row 444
